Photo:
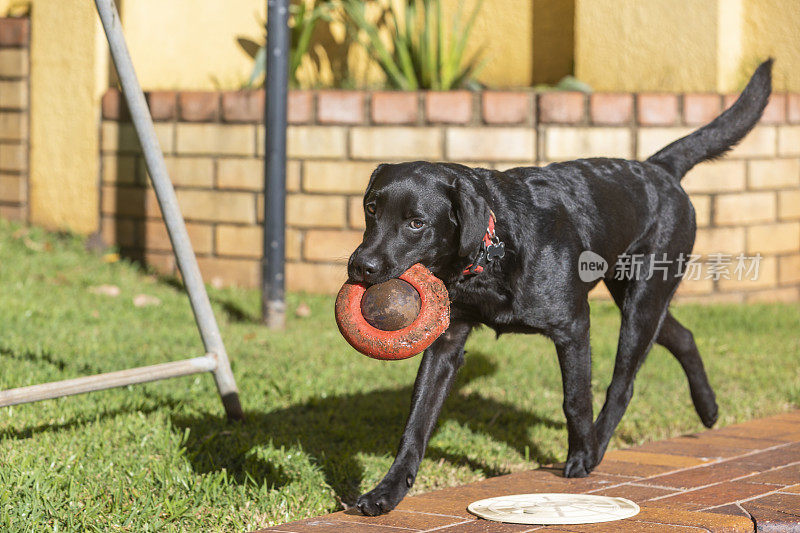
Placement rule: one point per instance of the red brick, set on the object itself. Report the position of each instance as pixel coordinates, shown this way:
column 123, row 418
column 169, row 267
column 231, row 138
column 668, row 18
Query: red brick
column 631, row 525
column 766, row 428
column 340, row 107
column 300, row 107
column 14, row 31
column 785, row 476
column 636, row 493
column 394, row 107
column 775, row 112
column 561, row 107
column 776, row 512
column 539, row 480
column 704, row 521
column 701, row 108
column 404, row 519
column 730, row 510
column 330, row 524
column 791, row 416
column 506, row 107
column 698, row 477
column 243, row 106
column 452, row 107
column 794, row 489
column 199, row 106
column 718, row 494
column 486, row 526
column 113, row 105
column 610, row 109
column 780, row 456
column 658, row 459
column 793, row 108
column 163, row 105
column 707, row 445
column 432, row 502
column 633, row 470
column 657, row 109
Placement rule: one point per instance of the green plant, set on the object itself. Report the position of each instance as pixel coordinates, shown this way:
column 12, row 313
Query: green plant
column 567, row 83
column 426, row 53
column 302, row 21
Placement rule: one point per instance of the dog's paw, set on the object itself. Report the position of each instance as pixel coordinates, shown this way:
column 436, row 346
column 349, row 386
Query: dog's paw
column 709, row 414
column 381, row 499
column 578, row 465
column 706, row 407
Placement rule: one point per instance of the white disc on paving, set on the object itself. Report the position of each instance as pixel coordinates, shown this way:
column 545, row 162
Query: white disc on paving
column 555, row 508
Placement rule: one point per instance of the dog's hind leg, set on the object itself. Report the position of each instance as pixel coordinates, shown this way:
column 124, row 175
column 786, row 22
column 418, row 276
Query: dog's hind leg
column 680, row 342
column 643, row 307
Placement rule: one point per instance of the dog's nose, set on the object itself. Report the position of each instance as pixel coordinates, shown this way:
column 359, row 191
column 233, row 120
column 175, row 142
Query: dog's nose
column 361, row 268
column 368, row 267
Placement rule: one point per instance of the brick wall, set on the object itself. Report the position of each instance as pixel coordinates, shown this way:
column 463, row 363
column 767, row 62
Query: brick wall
column 749, row 202
column 14, row 43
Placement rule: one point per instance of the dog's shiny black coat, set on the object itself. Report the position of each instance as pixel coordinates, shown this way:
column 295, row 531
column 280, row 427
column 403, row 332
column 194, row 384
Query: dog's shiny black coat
column 436, row 214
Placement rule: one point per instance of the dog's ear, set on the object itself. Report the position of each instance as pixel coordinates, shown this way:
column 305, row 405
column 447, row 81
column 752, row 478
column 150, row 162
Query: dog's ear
column 472, row 216
column 372, row 178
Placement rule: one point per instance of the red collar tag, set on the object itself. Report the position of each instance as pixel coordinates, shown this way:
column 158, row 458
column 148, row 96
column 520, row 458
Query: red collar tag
column 491, row 248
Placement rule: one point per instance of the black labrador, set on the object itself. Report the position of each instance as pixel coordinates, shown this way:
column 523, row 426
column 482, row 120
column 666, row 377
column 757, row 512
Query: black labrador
column 507, row 246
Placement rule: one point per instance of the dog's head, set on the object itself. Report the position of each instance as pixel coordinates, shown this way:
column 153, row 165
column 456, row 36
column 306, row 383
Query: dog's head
column 419, row 212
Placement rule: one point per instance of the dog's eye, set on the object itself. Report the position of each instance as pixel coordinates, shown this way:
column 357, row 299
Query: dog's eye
column 370, row 209
column 416, row 223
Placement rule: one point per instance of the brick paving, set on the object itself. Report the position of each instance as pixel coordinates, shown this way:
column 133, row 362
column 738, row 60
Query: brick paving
column 744, row 477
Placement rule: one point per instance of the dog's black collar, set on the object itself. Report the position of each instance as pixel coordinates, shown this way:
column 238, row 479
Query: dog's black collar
column 491, row 248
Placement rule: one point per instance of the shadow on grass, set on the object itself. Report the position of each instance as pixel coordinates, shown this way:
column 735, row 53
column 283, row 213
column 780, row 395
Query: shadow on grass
column 80, row 421
column 234, row 311
column 157, row 402
column 333, row 431
column 43, row 356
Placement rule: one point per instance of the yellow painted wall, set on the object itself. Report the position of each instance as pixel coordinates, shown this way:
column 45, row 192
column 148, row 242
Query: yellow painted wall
column 635, row 45
column 685, row 45
column 772, row 28
column 526, row 42
column 504, row 31
column 68, row 76
column 191, row 44
column 671, row 45
column 14, row 8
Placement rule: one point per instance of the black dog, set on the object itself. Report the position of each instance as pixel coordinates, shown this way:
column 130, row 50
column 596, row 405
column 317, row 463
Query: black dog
column 506, row 245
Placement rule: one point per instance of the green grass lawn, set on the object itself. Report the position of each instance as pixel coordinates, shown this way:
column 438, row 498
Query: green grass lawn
column 323, row 421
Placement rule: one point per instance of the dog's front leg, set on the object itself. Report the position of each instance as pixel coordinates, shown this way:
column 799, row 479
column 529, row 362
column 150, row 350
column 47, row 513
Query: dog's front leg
column 574, row 359
column 436, row 374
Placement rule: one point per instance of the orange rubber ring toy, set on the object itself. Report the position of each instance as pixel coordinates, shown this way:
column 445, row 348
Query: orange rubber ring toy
column 433, row 318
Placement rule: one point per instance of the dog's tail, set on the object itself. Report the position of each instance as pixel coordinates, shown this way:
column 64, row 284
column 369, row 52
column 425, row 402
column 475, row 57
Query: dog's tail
column 721, row 134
